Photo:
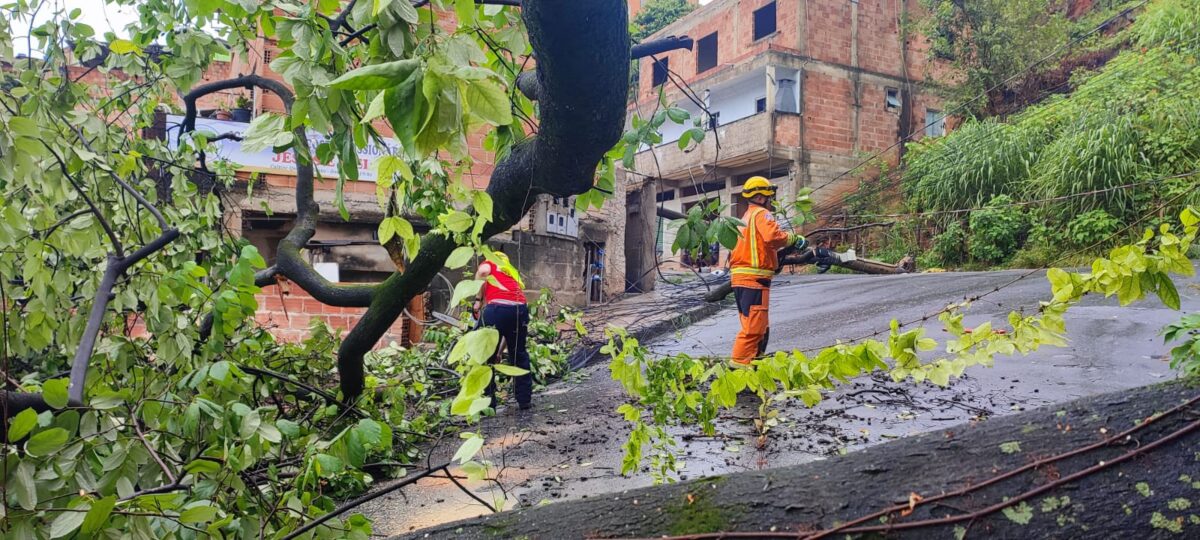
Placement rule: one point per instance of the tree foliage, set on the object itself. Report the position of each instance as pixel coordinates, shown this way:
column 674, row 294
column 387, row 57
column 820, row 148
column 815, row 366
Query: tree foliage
column 989, row 41
column 657, row 14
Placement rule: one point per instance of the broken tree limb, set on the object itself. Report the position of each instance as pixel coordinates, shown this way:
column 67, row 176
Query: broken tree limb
column 1112, row 466
column 289, row 263
column 865, row 266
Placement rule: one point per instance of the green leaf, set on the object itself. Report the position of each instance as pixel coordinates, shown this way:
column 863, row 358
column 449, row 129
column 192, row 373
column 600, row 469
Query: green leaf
column 377, row 76
column 1021, row 514
column 250, row 424
column 474, row 470
column 47, row 441
column 511, row 371
column 1010, row 447
column 387, row 229
column 54, row 392
column 268, row 130
column 1167, row 291
column 466, row 288
column 630, row 412
column 389, row 166
column 465, row 10
column 202, row 513
column 98, row 514
column 476, row 346
column 124, row 46
column 487, row 100
column 24, row 485
column 24, row 127
column 469, row 448
column 21, row 424
column 482, row 202
column 288, row 428
column 371, row 432
column 678, row 115
column 407, row 12
column 457, row 221
column 375, row 109
column 65, row 524
column 378, row 6
column 460, row 257
column 405, row 108
column 476, row 381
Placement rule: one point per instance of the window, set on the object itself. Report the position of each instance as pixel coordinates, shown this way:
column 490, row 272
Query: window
column 760, row 105
column 935, row 123
column 661, row 67
column 714, row 120
column 764, row 21
column 892, row 101
column 706, row 53
column 668, row 195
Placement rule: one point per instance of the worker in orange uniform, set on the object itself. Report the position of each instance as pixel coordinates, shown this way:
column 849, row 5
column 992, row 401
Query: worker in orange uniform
column 753, row 263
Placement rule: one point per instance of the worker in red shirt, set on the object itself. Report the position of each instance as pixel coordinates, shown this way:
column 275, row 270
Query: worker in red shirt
column 753, row 263
column 501, row 305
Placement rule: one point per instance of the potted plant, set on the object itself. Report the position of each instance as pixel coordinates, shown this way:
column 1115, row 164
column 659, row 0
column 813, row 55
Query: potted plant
column 241, row 110
column 223, row 111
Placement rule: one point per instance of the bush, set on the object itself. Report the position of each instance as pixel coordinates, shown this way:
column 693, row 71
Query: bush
column 997, row 230
column 947, row 249
column 1091, row 228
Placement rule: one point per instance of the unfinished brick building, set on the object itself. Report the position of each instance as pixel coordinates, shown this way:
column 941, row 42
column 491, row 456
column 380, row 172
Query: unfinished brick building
column 800, row 91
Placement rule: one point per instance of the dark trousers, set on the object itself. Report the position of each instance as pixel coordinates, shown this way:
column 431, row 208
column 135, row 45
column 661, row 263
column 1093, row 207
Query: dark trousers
column 512, row 321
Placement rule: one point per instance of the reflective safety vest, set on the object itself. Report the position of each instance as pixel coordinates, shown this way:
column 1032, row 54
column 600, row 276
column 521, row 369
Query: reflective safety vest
column 755, row 253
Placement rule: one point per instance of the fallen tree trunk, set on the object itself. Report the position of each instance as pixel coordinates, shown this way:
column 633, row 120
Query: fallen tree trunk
column 1105, row 466
column 865, row 266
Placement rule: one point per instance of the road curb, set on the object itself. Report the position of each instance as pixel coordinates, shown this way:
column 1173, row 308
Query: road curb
column 585, row 353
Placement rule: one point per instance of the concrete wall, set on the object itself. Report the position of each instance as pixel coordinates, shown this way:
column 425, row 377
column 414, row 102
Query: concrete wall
column 549, row 262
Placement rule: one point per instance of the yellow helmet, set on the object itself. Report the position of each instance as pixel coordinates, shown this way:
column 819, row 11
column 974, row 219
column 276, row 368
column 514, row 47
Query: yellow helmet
column 758, row 185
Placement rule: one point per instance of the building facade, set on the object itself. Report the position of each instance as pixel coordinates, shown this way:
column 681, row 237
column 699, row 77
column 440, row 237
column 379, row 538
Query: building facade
column 799, row 91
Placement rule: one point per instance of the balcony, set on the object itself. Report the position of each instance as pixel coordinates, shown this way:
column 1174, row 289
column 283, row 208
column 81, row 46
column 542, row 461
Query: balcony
column 743, row 142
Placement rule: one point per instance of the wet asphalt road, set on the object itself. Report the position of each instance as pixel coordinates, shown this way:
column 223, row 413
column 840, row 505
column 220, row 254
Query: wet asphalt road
column 569, row 445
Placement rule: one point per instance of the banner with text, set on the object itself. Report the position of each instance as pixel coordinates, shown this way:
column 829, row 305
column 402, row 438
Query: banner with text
column 268, row 161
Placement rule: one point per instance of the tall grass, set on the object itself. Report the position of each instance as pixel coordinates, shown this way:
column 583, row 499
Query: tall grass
column 1134, row 120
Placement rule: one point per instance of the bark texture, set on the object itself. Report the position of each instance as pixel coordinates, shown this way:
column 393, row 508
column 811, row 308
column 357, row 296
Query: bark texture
column 1142, row 496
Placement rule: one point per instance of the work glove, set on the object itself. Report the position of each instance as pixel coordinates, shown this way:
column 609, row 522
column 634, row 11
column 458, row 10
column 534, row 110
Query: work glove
column 799, row 241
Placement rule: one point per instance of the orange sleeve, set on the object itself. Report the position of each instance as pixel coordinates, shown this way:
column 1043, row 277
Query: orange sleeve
column 772, row 234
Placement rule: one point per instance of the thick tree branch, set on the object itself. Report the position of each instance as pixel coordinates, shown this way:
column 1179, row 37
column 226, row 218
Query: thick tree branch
column 658, row 46
column 289, row 262
column 582, row 77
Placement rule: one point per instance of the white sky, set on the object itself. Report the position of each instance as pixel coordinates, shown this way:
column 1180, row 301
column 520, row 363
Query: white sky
column 96, row 13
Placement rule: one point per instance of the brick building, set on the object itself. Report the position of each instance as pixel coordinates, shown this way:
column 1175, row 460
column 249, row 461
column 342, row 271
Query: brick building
column 800, row 91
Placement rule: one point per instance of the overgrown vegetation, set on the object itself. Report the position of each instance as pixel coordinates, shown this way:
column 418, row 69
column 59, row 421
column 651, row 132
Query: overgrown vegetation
column 1122, row 147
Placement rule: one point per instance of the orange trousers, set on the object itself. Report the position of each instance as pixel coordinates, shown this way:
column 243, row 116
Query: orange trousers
column 752, row 297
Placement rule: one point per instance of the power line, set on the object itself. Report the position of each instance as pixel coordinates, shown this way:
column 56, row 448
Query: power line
column 1020, row 203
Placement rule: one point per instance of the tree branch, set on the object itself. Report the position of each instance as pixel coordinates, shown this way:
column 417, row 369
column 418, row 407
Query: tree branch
column 289, row 262
column 662, row 45
column 582, row 78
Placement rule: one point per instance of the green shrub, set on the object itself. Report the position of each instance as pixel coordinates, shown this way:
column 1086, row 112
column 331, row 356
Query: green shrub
column 997, row 230
column 1043, row 246
column 1091, row 228
column 947, row 248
